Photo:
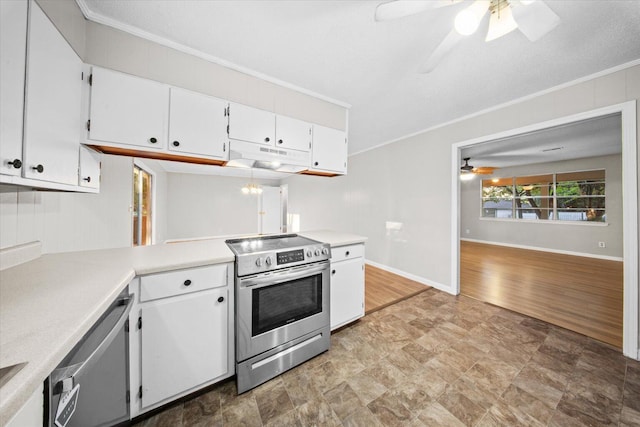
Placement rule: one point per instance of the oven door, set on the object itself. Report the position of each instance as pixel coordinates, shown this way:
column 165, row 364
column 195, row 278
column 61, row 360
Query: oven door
column 277, row 307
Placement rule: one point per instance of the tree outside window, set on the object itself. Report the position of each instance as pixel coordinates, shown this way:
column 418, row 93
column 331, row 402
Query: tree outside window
column 569, row 196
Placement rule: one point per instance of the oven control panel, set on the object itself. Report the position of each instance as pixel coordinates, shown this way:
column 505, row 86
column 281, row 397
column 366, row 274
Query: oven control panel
column 290, row 256
column 258, row 256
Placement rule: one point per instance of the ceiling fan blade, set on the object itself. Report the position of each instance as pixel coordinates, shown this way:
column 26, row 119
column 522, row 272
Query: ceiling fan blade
column 484, row 170
column 401, row 8
column 535, row 19
column 441, row 51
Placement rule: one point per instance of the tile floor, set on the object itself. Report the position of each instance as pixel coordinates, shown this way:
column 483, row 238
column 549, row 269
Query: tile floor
column 436, row 360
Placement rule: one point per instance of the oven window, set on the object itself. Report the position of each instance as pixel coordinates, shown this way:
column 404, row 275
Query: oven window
column 284, row 303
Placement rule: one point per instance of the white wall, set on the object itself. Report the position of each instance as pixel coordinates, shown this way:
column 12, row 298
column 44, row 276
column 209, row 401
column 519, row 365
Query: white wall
column 71, row 221
column 576, row 237
column 105, row 46
column 408, row 181
column 205, row 205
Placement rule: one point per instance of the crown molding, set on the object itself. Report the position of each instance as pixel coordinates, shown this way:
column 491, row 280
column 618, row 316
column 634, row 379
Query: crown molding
column 109, row 22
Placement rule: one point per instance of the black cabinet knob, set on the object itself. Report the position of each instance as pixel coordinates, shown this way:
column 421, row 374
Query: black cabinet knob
column 153, row 140
column 346, row 253
column 333, row 272
column 267, row 139
column 176, row 143
column 38, row 168
column 187, row 282
column 315, row 163
column 279, row 141
column 16, row 163
column 220, row 299
column 88, row 179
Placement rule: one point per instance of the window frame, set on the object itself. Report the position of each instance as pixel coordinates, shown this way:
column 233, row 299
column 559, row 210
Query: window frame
column 137, row 163
column 552, row 198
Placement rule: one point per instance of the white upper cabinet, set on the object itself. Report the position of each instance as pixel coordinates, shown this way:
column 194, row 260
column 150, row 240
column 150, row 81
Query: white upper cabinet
column 128, row 110
column 293, row 134
column 53, row 98
column 329, row 152
column 251, row 124
column 89, row 172
column 13, row 45
column 197, row 124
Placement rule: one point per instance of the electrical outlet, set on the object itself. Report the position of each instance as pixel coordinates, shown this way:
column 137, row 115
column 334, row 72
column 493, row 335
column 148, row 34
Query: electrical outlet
column 602, row 245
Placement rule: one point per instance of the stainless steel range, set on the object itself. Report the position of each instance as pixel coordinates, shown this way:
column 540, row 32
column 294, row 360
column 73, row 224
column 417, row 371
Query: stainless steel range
column 282, row 305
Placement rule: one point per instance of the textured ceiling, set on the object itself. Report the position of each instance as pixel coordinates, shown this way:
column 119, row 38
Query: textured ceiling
column 601, row 136
column 335, row 48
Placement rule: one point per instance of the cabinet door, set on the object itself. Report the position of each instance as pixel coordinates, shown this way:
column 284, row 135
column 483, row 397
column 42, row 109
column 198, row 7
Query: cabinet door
column 128, row 110
column 251, row 124
column 89, row 175
column 13, row 45
column 183, row 343
column 197, row 124
column 293, row 134
column 347, row 291
column 53, row 97
column 329, row 150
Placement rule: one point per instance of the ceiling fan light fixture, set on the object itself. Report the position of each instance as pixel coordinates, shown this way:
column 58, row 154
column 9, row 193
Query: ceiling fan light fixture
column 501, row 21
column 468, row 19
column 466, row 176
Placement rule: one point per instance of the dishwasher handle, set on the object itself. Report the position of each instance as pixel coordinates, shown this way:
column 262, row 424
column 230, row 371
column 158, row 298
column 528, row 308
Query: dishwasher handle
column 64, row 378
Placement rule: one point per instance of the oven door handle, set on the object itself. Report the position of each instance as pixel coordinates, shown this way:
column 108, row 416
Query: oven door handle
column 283, row 276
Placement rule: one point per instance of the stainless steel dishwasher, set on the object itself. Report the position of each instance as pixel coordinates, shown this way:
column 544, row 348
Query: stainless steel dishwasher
column 90, row 387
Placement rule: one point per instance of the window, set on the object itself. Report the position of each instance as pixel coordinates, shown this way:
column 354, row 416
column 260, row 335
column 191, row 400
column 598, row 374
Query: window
column 568, row 196
column 142, row 206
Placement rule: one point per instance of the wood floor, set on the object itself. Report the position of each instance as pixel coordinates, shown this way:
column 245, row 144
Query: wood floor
column 383, row 288
column 578, row 293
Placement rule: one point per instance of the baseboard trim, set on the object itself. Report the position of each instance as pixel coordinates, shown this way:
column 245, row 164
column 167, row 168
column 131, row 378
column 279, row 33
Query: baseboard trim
column 555, row 251
column 410, row 276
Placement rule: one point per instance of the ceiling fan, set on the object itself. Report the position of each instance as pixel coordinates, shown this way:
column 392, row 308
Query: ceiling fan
column 482, row 170
column 532, row 17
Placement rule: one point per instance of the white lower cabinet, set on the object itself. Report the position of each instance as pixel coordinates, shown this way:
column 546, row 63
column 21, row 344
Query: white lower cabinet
column 182, row 338
column 347, row 284
column 183, row 343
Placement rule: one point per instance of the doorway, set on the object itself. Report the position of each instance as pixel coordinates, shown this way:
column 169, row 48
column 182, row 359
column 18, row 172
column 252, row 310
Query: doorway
column 272, row 210
column 629, row 207
column 142, row 206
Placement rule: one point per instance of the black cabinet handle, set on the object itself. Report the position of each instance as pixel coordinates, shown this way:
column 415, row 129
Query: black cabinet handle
column 187, row 282
column 267, row 139
column 16, row 163
column 176, row 143
column 346, row 253
column 279, row 141
column 220, row 299
column 153, row 140
column 315, row 163
column 88, row 179
column 38, row 168
column 333, row 272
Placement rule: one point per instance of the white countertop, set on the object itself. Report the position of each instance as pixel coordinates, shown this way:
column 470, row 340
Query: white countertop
column 48, row 304
column 334, row 238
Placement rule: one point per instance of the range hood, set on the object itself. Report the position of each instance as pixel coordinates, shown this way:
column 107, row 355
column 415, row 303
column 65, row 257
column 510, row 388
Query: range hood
column 249, row 155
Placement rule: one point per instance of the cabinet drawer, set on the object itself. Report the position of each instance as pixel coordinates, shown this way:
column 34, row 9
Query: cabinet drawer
column 182, row 282
column 347, row 252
